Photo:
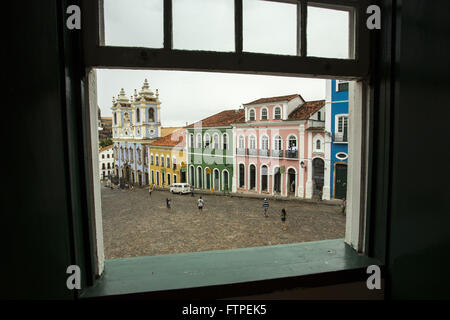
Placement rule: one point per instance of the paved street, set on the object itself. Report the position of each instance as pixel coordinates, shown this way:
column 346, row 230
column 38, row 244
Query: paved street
column 136, row 225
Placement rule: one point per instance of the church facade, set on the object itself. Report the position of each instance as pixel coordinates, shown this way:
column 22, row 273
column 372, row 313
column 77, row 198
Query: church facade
column 136, row 123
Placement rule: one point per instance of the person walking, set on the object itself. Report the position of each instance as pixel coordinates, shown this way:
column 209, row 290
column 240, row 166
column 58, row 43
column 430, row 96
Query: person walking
column 266, row 207
column 200, row 204
column 150, row 189
column 192, row 191
column 168, row 201
column 344, row 205
column 283, row 215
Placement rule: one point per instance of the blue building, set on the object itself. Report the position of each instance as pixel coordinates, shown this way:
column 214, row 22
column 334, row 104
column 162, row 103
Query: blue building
column 336, row 153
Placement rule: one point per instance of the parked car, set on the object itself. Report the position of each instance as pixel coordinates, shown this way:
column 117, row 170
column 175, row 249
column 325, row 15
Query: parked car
column 180, row 188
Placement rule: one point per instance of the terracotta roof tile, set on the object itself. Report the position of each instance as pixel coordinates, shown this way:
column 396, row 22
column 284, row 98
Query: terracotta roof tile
column 306, row 110
column 176, row 138
column 221, row 119
column 105, row 148
column 168, row 130
column 275, row 99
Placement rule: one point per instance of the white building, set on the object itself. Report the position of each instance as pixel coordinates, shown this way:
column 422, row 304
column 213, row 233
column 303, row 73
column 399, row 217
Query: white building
column 106, row 161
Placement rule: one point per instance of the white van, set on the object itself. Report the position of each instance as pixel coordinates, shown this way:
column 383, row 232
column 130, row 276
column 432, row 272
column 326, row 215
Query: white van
column 180, row 188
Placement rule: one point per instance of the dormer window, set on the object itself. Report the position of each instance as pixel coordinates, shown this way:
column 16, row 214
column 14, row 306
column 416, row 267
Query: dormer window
column 277, row 113
column 264, row 114
column 252, row 115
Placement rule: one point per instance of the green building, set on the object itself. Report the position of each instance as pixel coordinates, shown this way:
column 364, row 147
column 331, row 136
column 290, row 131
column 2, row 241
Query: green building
column 210, row 151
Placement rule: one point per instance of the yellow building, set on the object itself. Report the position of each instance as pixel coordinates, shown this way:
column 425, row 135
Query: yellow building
column 167, row 159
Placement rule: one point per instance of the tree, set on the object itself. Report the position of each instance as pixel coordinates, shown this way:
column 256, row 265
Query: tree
column 105, row 142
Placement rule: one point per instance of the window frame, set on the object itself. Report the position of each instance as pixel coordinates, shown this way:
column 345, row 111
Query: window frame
column 98, row 56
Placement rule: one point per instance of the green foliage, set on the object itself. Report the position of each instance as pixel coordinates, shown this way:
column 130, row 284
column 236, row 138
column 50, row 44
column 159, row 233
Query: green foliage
column 105, row 142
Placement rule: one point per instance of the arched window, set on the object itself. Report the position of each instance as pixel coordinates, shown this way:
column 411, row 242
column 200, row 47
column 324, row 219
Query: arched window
column 207, row 140
column 162, row 161
column 241, row 175
column 277, row 113
column 216, row 141
column 292, row 142
column 151, row 115
column 151, row 159
column 199, row 140
column 241, row 142
column 252, row 177
column 225, row 141
column 318, row 143
column 168, row 162
column 278, row 143
column 138, row 115
column 115, row 118
column 191, row 140
column 264, row 114
column 252, row 115
column 252, row 142
column 264, row 178
column 265, row 143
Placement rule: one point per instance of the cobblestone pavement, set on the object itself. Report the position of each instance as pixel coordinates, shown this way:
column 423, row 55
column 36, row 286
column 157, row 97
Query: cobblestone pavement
column 135, row 224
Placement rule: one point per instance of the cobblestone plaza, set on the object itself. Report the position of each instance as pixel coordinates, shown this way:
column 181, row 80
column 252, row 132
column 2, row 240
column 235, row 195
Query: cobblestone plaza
column 135, row 224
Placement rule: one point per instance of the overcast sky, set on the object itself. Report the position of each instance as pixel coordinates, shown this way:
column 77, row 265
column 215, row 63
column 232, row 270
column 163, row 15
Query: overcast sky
column 268, row 27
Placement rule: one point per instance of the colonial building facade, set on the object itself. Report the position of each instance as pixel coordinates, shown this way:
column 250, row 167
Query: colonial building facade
column 337, row 147
column 210, row 151
column 106, row 162
column 136, row 122
column 168, row 159
column 280, row 147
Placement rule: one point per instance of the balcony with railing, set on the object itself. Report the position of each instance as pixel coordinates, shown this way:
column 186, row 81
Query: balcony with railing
column 340, row 137
column 264, row 152
column 252, row 152
column 277, row 153
column 292, row 154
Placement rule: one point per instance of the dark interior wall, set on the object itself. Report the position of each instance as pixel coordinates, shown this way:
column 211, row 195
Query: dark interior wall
column 36, row 224
column 35, row 216
column 419, row 215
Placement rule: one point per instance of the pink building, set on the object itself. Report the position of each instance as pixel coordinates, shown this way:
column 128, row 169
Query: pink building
column 280, row 147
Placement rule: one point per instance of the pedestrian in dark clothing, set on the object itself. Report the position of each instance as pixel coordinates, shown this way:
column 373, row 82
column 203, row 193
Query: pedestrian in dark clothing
column 192, row 191
column 283, row 216
column 168, row 201
column 266, row 207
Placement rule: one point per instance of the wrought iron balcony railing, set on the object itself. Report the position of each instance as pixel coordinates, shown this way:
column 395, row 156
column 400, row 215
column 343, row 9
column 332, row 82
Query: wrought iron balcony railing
column 277, row 153
column 240, row 151
column 340, row 137
column 264, row 152
column 293, row 154
column 252, row 152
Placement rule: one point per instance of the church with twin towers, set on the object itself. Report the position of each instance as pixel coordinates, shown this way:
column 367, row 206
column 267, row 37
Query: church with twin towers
column 136, row 122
